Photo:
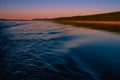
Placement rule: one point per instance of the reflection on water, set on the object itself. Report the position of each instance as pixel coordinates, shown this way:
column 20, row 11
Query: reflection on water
column 51, row 51
column 104, row 27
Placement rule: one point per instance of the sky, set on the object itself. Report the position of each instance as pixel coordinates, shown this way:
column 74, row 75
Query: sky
column 28, row 9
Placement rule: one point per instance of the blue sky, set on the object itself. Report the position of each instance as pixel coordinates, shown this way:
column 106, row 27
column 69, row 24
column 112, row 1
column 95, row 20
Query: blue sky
column 55, row 8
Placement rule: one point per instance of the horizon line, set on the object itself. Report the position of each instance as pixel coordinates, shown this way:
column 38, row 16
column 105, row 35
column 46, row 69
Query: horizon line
column 57, row 17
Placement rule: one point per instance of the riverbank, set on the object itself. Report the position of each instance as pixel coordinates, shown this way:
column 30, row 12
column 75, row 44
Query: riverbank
column 93, row 22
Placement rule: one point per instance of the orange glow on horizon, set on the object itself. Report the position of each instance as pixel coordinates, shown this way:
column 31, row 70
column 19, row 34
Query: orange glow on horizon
column 48, row 13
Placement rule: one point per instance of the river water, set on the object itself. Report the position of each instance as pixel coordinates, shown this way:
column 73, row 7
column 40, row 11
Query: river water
column 31, row 50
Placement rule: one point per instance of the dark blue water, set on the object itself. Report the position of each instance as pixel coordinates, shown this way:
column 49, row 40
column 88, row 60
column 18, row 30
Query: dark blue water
column 51, row 51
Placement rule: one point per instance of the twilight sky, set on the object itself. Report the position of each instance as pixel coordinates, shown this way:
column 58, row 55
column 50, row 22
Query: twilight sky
column 28, row 9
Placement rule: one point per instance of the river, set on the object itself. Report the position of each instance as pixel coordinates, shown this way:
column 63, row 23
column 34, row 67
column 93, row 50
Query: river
column 40, row 50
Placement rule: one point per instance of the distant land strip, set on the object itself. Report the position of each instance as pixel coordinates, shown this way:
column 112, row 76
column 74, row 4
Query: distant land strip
column 112, row 18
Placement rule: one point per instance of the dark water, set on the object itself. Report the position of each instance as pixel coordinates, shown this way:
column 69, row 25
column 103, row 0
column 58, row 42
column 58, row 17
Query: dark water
column 51, row 51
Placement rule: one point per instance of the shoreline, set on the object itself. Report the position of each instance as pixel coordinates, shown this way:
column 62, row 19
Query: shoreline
column 112, row 26
column 93, row 22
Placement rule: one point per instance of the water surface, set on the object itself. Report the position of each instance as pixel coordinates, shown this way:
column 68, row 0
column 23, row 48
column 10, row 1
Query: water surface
column 50, row 51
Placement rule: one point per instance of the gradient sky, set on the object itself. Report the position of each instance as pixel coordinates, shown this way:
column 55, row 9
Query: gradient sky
column 28, row 9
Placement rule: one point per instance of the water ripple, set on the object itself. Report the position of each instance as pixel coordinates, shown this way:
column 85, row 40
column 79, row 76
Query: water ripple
column 50, row 51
